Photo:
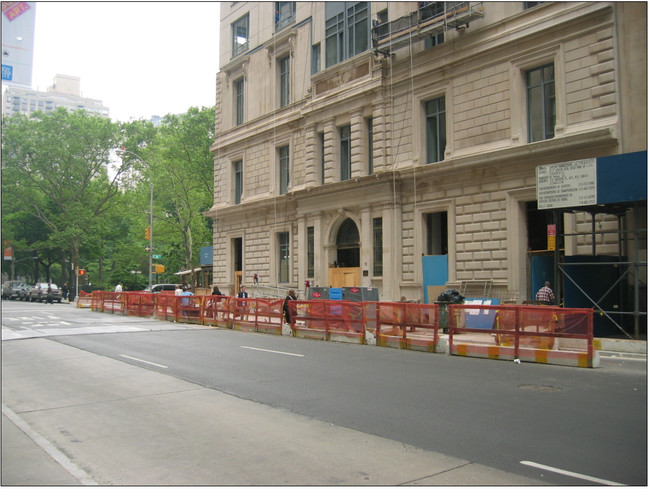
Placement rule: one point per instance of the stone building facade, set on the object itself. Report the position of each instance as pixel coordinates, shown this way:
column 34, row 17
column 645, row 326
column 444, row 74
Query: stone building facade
column 395, row 144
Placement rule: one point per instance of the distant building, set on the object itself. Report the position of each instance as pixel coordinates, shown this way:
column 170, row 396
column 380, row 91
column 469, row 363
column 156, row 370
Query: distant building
column 64, row 92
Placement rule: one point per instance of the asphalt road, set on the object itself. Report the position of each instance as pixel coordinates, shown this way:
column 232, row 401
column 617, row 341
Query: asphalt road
column 543, row 423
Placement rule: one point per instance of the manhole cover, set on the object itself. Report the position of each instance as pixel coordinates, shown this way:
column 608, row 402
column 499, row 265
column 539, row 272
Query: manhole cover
column 540, row 388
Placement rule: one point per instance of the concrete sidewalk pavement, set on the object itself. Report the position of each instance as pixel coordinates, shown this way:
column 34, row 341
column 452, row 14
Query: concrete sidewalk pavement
column 73, row 417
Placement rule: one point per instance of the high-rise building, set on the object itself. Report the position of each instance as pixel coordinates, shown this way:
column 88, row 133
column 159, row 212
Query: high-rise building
column 64, row 92
column 395, row 144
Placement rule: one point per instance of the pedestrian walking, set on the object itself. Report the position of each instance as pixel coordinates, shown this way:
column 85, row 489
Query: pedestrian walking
column 285, row 307
column 50, row 294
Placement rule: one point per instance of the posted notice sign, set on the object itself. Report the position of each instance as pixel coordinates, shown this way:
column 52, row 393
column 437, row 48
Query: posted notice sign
column 562, row 185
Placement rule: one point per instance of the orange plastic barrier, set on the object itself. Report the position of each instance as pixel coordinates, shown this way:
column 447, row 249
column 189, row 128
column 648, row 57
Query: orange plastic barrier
column 542, row 334
column 256, row 314
column 330, row 320
column 84, row 300
column 523, row 333
column 140, row 304
column 105, row 301
column 404, row 325
column 216, row 311
column 166, row 307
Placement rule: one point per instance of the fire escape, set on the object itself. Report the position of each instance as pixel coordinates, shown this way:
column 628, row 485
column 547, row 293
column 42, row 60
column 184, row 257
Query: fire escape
column 431, row 19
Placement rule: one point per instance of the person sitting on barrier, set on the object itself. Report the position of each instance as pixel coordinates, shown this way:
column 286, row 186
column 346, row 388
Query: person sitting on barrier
column 285, row 306
column 545, row 294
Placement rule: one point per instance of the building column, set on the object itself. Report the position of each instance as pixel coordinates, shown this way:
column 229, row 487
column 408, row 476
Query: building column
column 311, row 156
column 330, row 152
column 301, row 250
column 392, row 254
column 366, row 255
column 356, row 143
column 381, row 149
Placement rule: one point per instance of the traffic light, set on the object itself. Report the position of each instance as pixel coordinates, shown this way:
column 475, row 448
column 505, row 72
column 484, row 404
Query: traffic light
column 157, row 269
column 147, row 233
column 81, row 271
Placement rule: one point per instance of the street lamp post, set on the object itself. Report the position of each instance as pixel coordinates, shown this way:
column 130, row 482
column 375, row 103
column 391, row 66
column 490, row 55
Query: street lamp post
column 150, row 249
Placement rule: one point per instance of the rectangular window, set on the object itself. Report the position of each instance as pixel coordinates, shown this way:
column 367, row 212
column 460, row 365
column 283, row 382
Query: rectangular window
column 370, row 145
column 346, row 152
column 347, row 30
column 434, row 40
column 321, row 141
column 239, row 101
column 334, row 40
column 283, row 155
column 436, row 130
column 284, row 68
column 310, row 252
column 315, row 58
column 285, row 14
column 377, row 247
column 540, row 95
column 283, row 257
column 239, row 180
column 240, row 36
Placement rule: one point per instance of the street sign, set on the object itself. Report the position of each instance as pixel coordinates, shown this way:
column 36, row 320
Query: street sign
column 156, row 256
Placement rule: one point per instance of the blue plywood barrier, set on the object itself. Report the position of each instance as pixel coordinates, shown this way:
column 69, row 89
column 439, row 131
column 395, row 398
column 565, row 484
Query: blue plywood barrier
column 435, row 272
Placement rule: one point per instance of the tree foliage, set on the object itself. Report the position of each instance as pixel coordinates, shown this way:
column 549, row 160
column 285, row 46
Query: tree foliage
column 76, row 188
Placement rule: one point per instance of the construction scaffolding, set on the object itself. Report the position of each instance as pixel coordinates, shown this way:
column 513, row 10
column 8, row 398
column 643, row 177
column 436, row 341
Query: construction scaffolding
column 429, row 20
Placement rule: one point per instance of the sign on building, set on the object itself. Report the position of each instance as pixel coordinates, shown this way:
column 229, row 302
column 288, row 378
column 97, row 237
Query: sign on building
column 563, row 185
column 621, row 178
column 18, row 42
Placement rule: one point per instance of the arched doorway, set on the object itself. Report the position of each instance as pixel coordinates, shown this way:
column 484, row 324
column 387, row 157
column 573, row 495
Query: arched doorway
column 348, row 244
column 346, row 270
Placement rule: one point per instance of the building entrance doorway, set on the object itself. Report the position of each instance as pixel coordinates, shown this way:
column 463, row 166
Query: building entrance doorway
column 346, row 269
column 237, row 260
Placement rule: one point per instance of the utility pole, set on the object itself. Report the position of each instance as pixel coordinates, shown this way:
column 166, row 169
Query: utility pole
column 150, row 231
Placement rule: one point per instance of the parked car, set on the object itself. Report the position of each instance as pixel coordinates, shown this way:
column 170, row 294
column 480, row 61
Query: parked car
column 12, row 289
column 23, row 292
column 157, row 288
column 39, row 292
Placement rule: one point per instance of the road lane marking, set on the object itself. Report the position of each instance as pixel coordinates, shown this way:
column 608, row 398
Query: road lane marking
column 80, row 475
column 145, row 361
column 570, row 473
column 273, row 351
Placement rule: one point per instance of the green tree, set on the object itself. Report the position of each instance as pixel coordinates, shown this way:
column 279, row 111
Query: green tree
column 59, row 169
column 181, row 169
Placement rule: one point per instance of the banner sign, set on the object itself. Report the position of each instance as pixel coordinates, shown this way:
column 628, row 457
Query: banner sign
column 586, row 182
column 18, row 20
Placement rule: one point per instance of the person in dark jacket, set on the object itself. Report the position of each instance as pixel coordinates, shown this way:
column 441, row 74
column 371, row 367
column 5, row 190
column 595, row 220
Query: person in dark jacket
column 285, row 307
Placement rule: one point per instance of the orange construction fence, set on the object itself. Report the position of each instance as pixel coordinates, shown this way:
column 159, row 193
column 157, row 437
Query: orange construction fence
column 216, row 311
column 256, row 314
column 331, row 320
column 515, row 332
column 404, row 325
column 527, row 333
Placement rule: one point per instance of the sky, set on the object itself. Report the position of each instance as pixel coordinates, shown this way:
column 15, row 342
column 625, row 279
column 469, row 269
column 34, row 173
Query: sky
column 140, row 58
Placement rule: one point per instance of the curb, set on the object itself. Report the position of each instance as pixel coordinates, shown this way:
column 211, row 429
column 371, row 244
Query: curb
column 614, row 346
